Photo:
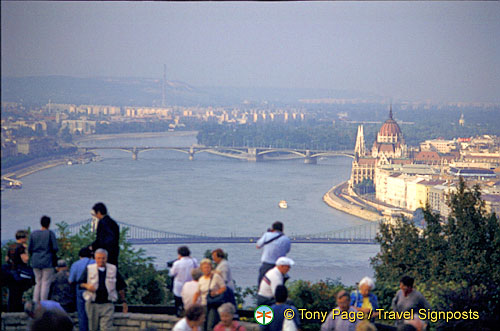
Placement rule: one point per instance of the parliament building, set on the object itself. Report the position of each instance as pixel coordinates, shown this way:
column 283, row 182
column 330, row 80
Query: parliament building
column 388, row 148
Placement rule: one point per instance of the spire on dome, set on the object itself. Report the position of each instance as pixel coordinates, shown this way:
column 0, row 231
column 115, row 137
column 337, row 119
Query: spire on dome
column 390, row 112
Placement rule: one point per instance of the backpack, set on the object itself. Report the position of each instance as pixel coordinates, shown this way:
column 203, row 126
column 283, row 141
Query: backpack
column 289, row 325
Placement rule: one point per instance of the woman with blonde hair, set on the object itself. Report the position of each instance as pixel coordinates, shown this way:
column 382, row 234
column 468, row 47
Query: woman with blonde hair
column 209, row 284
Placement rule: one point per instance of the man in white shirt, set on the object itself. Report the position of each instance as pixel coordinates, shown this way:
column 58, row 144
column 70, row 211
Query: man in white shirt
column 271, row 280
column 222, row 268
column 181, row 271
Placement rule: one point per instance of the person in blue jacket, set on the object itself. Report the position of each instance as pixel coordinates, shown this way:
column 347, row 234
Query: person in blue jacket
column 364, row 300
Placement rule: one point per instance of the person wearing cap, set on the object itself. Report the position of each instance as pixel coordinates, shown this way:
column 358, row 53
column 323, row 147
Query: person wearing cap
column 271, row 280
column 75, row 273
column 61, row 290
column 275, row 245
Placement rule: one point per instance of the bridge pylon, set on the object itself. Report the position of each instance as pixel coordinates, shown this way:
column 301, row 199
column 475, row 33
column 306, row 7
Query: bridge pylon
column 135, row 154
column 253, row 155
column 308, row 159
column 191, row 153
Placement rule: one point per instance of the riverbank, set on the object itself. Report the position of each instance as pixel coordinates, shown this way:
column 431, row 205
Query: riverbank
column 338, row 198
column 27, row 168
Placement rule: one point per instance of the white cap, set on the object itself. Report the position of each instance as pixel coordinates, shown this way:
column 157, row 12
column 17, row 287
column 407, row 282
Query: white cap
column 285, row 261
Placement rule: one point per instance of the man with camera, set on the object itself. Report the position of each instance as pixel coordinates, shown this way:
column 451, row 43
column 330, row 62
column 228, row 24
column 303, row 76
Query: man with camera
column 275, row 245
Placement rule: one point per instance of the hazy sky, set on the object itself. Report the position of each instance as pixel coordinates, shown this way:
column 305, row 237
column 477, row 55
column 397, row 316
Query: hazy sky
column 446, row 51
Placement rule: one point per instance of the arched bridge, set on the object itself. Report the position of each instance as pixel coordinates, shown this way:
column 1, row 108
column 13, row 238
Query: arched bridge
column 363, row 234
column 253, row 154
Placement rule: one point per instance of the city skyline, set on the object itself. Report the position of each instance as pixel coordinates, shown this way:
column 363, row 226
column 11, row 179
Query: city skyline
column 408, row 51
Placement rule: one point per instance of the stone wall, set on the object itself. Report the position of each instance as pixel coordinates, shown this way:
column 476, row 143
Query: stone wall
column 122, row 322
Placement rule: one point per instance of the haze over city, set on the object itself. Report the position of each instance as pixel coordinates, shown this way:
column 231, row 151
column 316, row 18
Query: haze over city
column 400, row 50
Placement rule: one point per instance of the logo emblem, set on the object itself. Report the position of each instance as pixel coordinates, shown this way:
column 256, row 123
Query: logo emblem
column 263, row 315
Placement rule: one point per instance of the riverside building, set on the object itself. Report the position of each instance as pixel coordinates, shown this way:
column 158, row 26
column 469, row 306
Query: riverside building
column 388, row 148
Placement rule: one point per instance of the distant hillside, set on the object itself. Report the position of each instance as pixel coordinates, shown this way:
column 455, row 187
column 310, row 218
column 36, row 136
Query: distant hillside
column 128, row 91
column 99, row 90
column 276, row 95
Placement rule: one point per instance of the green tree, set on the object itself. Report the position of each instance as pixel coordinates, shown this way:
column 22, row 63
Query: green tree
column 145, row 284
column 66, row 135
column 366, row 186
column 318, row 296
column 454, row 262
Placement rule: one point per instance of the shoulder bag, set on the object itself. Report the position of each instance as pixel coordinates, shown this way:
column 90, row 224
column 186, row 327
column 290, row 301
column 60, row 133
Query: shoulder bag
column 54, row 255
column 214, row 301
column 24, row 273
column 273, row 239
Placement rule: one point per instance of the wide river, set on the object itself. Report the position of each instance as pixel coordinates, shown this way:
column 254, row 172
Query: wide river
column 211, row 195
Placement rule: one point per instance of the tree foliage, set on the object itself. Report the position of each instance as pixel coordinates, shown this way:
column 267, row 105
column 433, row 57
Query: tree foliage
column 321, row 136
column 366, row 186
column 319, row 296
column 454, row 262
column 145, row 285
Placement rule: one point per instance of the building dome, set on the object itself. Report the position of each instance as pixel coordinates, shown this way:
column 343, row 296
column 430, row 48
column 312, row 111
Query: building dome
column 390, row 140
column 390, row 131
column 390, row 128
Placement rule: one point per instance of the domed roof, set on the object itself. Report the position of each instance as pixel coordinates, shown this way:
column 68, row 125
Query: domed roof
column 390, row 127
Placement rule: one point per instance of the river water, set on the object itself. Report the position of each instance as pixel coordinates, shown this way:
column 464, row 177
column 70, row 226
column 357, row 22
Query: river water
column 211, row 195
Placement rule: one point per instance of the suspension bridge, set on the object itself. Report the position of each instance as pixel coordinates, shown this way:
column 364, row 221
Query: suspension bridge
column 140, row 235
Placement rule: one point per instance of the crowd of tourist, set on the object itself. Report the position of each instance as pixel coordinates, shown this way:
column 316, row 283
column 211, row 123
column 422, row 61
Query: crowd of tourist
column 203, row 292
column 91, row 286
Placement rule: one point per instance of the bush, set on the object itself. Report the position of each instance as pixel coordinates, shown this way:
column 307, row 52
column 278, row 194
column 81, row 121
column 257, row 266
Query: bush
column 145, row 285
column 318, row 296
column 454, row 262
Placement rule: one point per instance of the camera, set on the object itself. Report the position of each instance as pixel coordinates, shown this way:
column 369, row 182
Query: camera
column 170, row 263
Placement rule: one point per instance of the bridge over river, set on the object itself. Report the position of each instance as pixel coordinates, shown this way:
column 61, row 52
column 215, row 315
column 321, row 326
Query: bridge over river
column 252, row 154
column 140, row 235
